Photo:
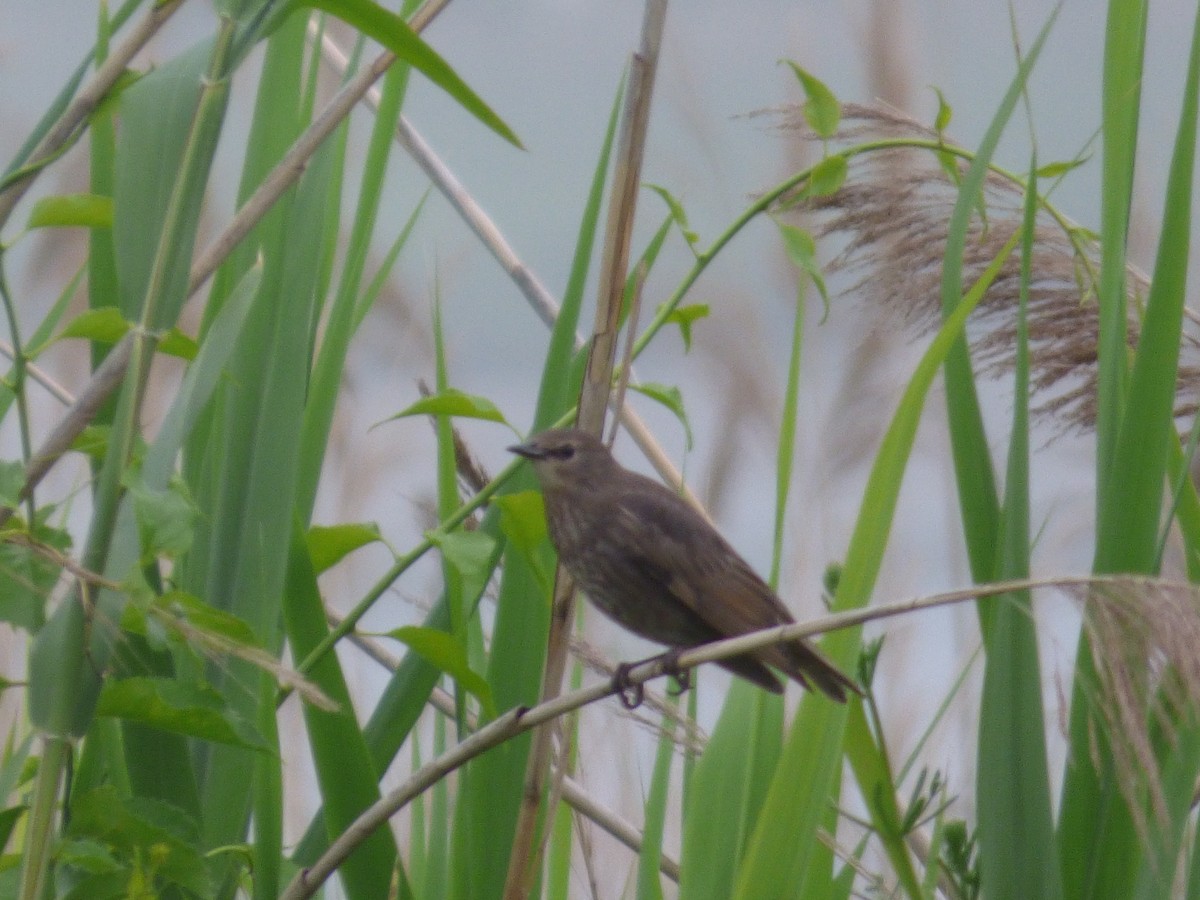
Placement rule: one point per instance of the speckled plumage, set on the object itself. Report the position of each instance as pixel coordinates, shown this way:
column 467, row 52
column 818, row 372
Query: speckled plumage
column 654, row 565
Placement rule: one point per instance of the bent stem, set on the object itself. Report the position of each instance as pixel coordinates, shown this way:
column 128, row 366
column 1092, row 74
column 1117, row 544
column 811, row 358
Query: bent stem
column 521, row 719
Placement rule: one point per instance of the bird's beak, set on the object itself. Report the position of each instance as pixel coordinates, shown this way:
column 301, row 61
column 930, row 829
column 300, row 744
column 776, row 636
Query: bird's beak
column 529, row 451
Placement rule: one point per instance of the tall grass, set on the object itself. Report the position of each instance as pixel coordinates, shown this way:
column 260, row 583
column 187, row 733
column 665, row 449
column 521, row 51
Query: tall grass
column 166, row 634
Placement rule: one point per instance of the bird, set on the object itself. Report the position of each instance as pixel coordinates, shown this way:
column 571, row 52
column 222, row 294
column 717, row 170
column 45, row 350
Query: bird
column 652, row 563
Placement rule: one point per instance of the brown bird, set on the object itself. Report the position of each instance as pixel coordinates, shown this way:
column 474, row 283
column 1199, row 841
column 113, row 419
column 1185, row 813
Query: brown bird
column 652, row 563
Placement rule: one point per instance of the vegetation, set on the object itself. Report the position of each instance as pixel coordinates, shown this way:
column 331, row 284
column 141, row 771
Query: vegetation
column 173, row 611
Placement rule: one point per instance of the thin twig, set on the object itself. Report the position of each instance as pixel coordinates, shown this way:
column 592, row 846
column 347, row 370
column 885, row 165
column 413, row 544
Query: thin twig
column 106, row 379
column 575, row 795
column 67, row 127
column 291, row 167
column 520, row 719
column 40, row 375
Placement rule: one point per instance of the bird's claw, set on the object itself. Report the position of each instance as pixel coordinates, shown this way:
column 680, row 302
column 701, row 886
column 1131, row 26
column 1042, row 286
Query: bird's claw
column 630, row 693
column 682, row 677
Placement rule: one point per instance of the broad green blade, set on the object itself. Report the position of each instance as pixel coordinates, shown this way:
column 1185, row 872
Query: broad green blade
column 345, row 771
column 1012, row 783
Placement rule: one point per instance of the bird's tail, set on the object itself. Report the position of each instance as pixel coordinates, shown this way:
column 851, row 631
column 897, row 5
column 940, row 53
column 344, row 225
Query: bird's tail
column 806, row 664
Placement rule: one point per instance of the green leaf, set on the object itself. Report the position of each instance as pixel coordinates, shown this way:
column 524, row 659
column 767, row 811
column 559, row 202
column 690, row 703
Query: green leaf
column 394, row 33
column 93, row 441
column 944, row 113
column 166, row 518
column 12, row 479
column 1013, row 791
column 453, row 402
column 678, row 215
column 346, row 770
column 684, row 317
column 523, row 524
column 655, row 813
column 89, row 856
column 209, row 619
column 523, row 519
column 330, row 544
column 827, row 177
column 731, row 780
column 170, row 704
column 27, row 577
column 104, row 324
column 176, row 343
column 472, row 554
column 872, row 768
column 821, row 110
column 112, row 97
column 670, row 397
column 139, row 833
column 67, row 210
column 442, row 650
column 1055, row 169
column 802, row 251
column 949, row 164
column 8, row 821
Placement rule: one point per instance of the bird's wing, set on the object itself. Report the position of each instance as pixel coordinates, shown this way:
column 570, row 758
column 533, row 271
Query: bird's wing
column 684, row 556
column 697, row 565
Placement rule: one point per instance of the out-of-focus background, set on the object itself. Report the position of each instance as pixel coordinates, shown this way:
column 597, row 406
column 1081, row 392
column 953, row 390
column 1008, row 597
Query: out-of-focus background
column 551, row 69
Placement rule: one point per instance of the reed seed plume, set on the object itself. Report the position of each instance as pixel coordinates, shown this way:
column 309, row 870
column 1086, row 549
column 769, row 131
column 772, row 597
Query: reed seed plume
column 1144, row 637
column 892, row 214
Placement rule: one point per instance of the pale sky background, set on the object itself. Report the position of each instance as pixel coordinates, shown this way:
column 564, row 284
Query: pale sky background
column 550, row 70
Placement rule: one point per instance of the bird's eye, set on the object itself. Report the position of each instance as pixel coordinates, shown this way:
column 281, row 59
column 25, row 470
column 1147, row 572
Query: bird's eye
column 566, row 451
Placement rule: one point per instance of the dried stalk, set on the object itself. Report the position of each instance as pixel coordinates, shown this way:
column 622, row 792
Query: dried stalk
column 526, row 855
column 76, row 114
column 291, row 167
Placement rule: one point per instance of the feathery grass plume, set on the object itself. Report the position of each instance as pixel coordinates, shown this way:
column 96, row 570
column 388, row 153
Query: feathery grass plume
column 892, row 213
column 1144, row 638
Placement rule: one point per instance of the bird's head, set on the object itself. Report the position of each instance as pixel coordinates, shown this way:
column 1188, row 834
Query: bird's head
column 567, row 458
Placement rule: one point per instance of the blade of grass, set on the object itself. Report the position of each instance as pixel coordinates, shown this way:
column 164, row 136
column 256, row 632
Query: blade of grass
column 729, row 784
column 394, row 33
column 267, row 848
column 1012, row 785
column 346, row 773
column 872, row 768
column 1085, row 796
column 248, row 466
column 799, row 795
column 103, row 286
column 345, row 313
column 1096, row 824
column 64, row 701
column 977, row 495
column 649, row 887
column 448, row 501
